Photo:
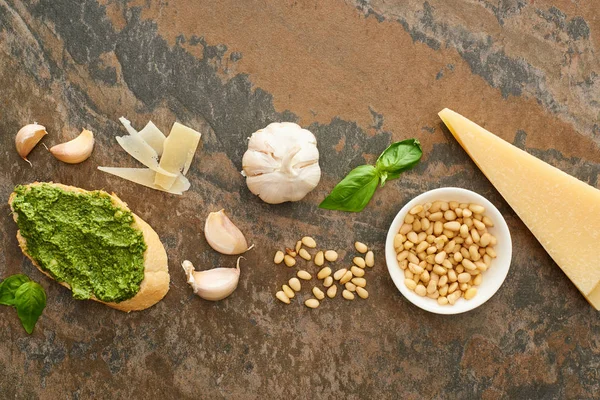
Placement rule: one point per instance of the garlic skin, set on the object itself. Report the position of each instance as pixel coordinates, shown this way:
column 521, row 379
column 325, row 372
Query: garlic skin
column 223, row 236
column 27, row 137
column 213, row 284
column 281, row 163
column 76, row 150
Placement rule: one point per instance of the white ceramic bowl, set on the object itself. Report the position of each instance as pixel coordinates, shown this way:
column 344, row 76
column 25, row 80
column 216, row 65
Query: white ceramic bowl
column 492, row 278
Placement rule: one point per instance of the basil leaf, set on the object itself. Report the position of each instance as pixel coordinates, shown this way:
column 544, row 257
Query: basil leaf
column 354, row 191
column 398, row 157
column 9, row 287
column 30, row 300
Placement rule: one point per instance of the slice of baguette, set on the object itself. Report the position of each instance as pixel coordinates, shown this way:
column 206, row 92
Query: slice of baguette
column 155, row 284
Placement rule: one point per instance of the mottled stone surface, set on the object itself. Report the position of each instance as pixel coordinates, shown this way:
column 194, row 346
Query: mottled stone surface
column 359, row 74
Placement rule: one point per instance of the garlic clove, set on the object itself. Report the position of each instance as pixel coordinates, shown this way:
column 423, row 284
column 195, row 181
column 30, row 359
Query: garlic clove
column 27, row 137
column 76, row 150
column 223, row 236
column 213, row 284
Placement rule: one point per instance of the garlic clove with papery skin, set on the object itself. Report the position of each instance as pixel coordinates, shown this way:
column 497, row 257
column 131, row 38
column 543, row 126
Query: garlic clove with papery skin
column 27, row 137
column 76, row 150
column 281, row 163
column 213, row 284
column 223, row 236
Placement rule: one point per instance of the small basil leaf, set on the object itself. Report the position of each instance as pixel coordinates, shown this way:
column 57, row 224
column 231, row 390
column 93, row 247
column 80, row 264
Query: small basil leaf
column 9, row 287
column 399, row 157
column 354, row 191
column 30, row 300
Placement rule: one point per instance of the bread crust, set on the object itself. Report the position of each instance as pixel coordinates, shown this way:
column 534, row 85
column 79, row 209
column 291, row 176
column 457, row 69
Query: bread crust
column 155, row 284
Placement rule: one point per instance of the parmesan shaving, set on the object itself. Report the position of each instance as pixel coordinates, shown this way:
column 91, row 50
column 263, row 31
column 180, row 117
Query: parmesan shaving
column 136, row 147
column 154, row 137
column 178, row 152
column 146, row 177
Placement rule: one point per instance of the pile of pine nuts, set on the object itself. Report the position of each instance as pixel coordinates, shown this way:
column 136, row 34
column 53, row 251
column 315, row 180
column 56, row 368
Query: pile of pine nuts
column 443, row 248
column 352, row 279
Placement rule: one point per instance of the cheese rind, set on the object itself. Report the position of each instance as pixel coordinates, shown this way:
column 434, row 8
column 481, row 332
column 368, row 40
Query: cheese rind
column 561, row 211
column 178, row 152
column 145, row 177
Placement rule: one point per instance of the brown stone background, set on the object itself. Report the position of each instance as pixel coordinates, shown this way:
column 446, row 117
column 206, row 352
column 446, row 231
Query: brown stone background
column 359, row 74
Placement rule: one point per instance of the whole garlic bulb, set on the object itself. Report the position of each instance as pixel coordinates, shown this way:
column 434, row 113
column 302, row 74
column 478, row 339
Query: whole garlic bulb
column 281, row 163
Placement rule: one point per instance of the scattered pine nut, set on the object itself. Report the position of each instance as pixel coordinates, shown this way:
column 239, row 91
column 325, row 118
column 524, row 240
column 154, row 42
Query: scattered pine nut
column 290, row 252
column 289, row 260
column 288, row 291
column 304, row 275
column 359, row 261
column 362, row 292
column 304, row 254
column 370, row 259
column 278, row 257
column 350, row 286
column 282, row 297
column 361, row 247
column 298, row 246
column 309, row 242
column 324, row 273
column 312, row 303
column 318, row 293
column 319, row 259
column 357, row 271
column 327, row 282
column 339, row 274
column 362, row 282
column 332, row 291
column 331, row 255
column 346, row 278
column 295, row 284
column 348, row 295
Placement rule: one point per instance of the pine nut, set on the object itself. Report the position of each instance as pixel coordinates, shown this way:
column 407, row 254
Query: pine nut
column 487, row 259
column 447, row 264
column 318, row 293
column 304, row 275
column 278, row 257
column 324, row 273
column 415, row 268
column 435, row 206
column 437, row 216
column 409, row 219
column 477, row 280
column 370, row 259
column 295, row 284
column 346, row 278
column 413, row 259
column 416, row 225
column 468, row 265
column 362, row 282
column 289, row 260
column 398, row 240
column 361, row 247
column 439, row 270
column 327, row 282
column 357, row 271
column 440, row 257
column 463, row 286
column 421, row 290
column 350, row 286
column 443, row 290
column 458, row 257
column 442, row 301
column 402, row 255
column 288, row 291
column 475, row 235
column 339, row 274
column 348, row 295
column 490, row 252
column 408, row 274
column 319, row 259
column 413, row 237
column 304, row 254
column 431, row 287
column 433, row 295
column 450, row 215
column 416, row 209
column 476, row 208
column 464, row 277
column 309, row 242
column 442, row 281
column 331, row 255
column 282, row 297
column 470, row 293
column 422, row 247
column 362, row 292
column 359, row 261
column 332, row 291
column 404, row 229
column 298, row 246
column 312, row 303
column 410, row 284
column 453, row 226
column 453, row 286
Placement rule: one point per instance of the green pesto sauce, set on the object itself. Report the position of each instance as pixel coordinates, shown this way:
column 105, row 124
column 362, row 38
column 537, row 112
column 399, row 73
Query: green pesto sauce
column 82, row 239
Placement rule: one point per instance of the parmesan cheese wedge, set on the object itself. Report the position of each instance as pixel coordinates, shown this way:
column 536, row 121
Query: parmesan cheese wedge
column 145, row 177
column 178, row 152
column 561, row 211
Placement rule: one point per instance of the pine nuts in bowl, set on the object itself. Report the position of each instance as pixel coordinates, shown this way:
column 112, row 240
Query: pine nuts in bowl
column 456, row 268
